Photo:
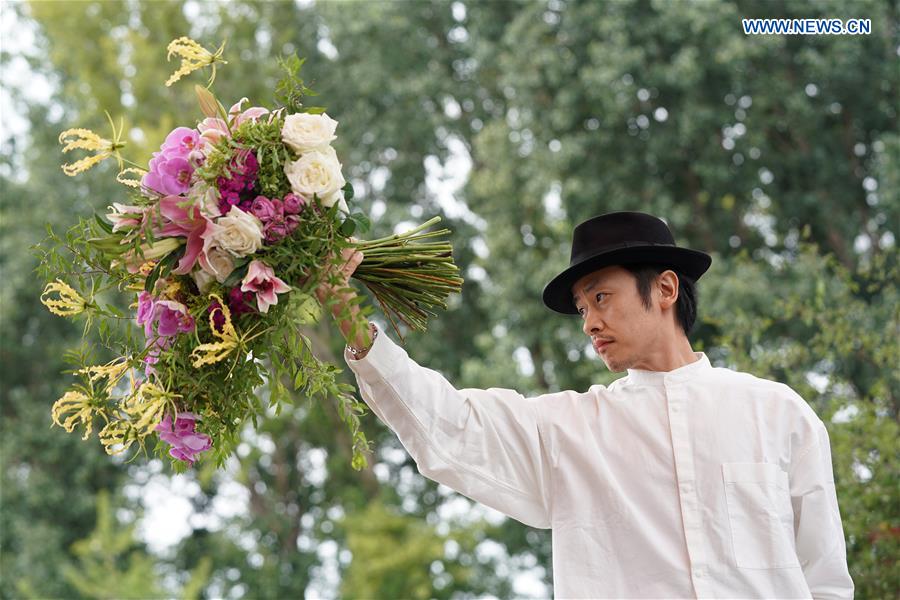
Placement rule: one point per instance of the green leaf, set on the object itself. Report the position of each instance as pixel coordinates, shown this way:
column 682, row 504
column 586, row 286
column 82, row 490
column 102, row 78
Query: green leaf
column 103, row 224
column 237, row 275
column 162, row 268
column 348, row 227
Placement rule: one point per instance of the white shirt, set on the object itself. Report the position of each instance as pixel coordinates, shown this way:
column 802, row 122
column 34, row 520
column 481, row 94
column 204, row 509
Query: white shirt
column 700, row 482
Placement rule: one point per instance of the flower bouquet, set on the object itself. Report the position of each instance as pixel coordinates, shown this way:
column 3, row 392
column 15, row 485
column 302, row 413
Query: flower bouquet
column 228, row 232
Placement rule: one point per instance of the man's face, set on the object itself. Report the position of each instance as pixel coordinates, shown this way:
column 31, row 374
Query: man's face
column 622, row 331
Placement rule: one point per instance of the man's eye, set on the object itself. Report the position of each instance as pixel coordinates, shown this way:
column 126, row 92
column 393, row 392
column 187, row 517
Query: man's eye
column 600, row 294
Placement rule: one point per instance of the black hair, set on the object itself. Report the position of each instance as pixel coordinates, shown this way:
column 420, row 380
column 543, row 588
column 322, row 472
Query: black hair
column 685, row 305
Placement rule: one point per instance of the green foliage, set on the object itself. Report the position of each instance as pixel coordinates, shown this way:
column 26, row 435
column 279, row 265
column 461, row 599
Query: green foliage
column 265, row 137
column 108, row 563
column 289, row 91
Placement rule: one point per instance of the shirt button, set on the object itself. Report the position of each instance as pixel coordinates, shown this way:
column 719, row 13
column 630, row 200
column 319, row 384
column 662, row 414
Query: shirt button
column 674, row 408
column 698, row 573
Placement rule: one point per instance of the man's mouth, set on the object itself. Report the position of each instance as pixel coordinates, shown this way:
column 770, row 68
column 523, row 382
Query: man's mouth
column 599, row 345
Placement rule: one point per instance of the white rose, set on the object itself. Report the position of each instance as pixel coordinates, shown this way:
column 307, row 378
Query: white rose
column 207, row 199
column 238, row 233
column 304, row 132
column 338, row 197
column 203, row 280
column 217, row 263
column 316, row 172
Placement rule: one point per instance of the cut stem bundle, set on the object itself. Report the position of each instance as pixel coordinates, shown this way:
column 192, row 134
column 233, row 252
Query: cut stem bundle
column 408, row 277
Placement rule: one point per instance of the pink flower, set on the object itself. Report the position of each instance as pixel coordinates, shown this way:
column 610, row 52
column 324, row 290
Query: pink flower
column 156, row 345
column 126, row 216
column 238, row 188
column 263, row 208
column 212, row 130
column 162, row 320
column 261, row 280
column 277, row 220
column 182, row 435
column 251, row 114
column 172, row 318
column 170, row 170
column 169, row 317
column 181, row 221
column 280, row 227
column 169, row 174
column 145, row 312
column 180, row 142
column 293, row 204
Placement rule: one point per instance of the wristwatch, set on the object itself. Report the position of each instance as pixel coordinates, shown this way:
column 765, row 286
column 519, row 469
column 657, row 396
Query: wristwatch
column 355, row 352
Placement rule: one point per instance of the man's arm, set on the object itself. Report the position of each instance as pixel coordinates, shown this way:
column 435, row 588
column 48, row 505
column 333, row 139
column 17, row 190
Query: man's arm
column 485, row 444
column 817, row 519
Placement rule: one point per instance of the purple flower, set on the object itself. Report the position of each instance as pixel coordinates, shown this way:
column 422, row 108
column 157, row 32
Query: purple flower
column 278, row 221
column 162, row 321
column 263, row 209
column 182, row 435
column 275, row 231
column 293, row 204
column 145, row 312
column 170, row 170
column 240, row 302
column 240, row 188
column 169, row 174
column 156, row 346
column 172, row 318
column 180, row 142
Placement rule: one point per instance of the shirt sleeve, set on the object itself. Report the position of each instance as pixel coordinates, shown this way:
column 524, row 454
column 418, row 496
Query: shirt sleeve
column 817, row 520
column 485, row 444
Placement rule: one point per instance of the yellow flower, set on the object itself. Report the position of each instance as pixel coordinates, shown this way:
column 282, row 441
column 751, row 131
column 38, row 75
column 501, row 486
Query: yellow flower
column 113, row 371
column 147, row 406
column 143, row 411
column 171, row 290
column 68, row 304
column 85, row 139
column 79, row 405
column 207, row 354
column 193, row 57
column 117, row 437
column 124, row 180
column 147, row 267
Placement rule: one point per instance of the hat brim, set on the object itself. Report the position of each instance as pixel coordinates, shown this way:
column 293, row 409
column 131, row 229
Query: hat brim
column 557, row 294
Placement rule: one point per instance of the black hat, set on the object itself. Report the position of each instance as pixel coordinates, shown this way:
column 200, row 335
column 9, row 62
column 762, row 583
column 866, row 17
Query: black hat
column 620, row 238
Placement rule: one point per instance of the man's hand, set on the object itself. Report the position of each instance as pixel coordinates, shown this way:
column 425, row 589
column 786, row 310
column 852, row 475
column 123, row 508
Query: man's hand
column 351, row 258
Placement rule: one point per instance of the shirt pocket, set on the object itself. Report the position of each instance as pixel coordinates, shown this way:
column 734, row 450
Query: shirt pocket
column 760, row 515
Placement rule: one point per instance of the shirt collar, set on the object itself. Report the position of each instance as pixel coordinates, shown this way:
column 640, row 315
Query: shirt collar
column 682, row 373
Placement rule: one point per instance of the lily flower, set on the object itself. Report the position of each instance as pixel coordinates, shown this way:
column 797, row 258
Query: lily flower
column 261, row 280
column 193, row 57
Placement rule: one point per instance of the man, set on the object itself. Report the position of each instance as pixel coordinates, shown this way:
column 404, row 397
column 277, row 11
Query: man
column 680, row 480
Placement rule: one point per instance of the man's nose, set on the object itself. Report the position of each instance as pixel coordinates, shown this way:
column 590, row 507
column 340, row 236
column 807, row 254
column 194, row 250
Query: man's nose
column 590, row 325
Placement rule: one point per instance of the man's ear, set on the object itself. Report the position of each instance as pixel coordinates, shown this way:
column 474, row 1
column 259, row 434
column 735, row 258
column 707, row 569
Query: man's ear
column 667, row 288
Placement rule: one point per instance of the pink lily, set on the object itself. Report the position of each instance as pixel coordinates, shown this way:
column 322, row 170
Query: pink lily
column 261, row 280
column 237, row 116
column 186, row 222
